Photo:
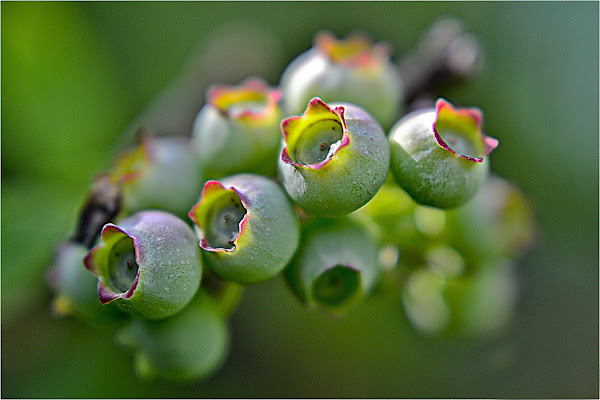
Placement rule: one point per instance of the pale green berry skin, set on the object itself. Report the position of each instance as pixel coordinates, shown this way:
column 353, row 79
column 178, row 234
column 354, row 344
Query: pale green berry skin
column 265, row 239
column 189, row 346
column 430, row 174
column 350, row 178
column 497, row 222
column 393, row 217
column 403, row 228
column 170, row 178
column 475, row 304
column 165, row 252
column 315, row 74
column 232, row 142
column 334, row 244
column 76, row 290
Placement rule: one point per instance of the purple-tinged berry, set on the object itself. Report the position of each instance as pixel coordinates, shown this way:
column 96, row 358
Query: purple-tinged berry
column 149, row 264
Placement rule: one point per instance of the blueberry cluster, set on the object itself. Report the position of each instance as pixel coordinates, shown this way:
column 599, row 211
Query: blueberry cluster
column 311, row 181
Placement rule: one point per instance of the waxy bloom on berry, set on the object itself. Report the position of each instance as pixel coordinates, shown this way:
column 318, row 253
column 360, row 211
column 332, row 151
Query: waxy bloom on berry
column 238, row 129
column 160, row 173
column 351, row 70
column 248, row 228
column 335, row 158
column 149, row 264
column 336, row 264
column 439, row 155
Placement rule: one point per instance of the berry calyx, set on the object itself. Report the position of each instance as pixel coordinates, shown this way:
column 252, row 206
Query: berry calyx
column 352, row 70
column 149, row 264
column 439, row 156
column 247, row 227
column 238, row 129
column 334, row 158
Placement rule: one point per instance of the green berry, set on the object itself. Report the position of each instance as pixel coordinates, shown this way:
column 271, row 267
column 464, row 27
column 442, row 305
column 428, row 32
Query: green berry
column 335, row 158
column 439, row 156
column 149, row 264
column 394, row 218
column 481, row 302
column 248, row 228
column 350, row 71
column 75, row 289
column 336, row 265
column 160, row 173
column 238, row 129
column 190, row 345
column 498, row 221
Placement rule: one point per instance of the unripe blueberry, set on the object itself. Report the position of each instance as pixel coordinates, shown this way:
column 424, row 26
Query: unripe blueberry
column 393, row 217
column 334, row 160
column 404, row 229
column 336, row 264
column 190, row 345
column 477, row 303
column 498, row 221
column 149, row 264
column 439, row 155
column 75, row 289
column 238, row 129
column 159, row 173
column 248, row 228
column 351, row 70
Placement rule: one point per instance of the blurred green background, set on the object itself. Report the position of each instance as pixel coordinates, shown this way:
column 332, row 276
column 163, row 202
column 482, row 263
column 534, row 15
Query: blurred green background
column 77, row 80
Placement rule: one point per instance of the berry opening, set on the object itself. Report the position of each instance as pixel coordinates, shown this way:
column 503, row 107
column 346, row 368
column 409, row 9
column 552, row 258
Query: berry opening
column 336, row 286
column 219, row 216
column 355, row 50
column 318, row 142
column 223, row 221
column 344, row 50
column 314, row 138
column 122, row 265
column 253, row 99
column 458, row 130
column 460, row 142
